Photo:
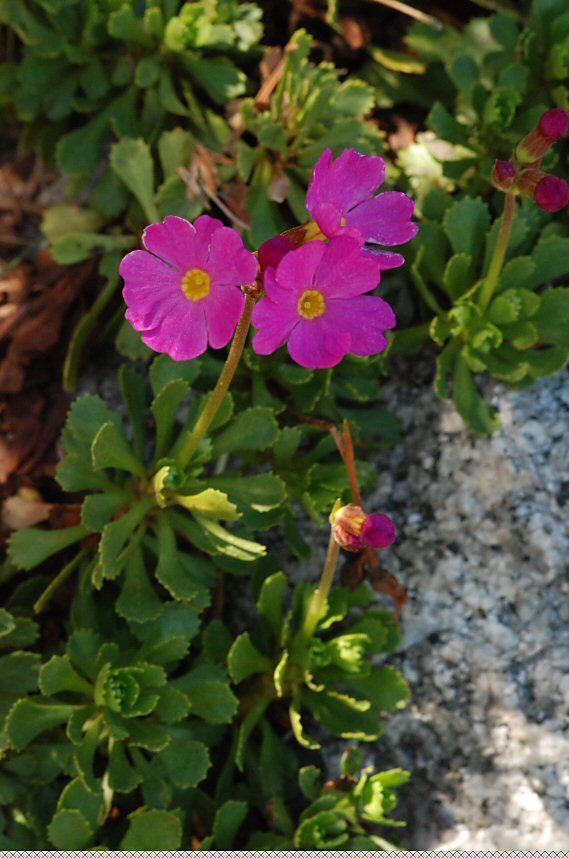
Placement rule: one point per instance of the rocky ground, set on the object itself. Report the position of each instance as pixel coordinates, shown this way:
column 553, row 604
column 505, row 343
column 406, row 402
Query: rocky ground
column 483, row 547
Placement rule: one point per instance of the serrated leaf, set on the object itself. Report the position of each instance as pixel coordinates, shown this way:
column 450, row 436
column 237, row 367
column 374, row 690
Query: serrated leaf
column 252, row 429
column 170, row 571
column 30, row 546
column 164, row 408
column 123, row 777
column 244, row 659
column 228, row 819
column 58, row 675
column 116, row 534
column 271, row 598
column 29, row 718
column 111, row 450
column 223, row 541
column 516, row 274
column 218, row 77
column 480, row 416
column 152, row 830
column 132, row 161
column 209, row 693
column 385, row 687
column 186, row 761
column 551, row 260
column 211, row 503
column 458, row 277
column 98, row 509
column 466, row 224
column 138, row 601
column 70, row 831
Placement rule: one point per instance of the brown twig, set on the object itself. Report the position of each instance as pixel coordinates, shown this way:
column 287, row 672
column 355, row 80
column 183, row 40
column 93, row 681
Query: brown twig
column 417, row 14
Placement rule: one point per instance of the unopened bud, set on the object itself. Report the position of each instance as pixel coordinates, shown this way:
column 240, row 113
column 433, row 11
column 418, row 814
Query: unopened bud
column 273, row 250
column 554, row 123
column 552, row 126
column 353, row 530
column 552, row 194
column 347, row 523
column 503, row 175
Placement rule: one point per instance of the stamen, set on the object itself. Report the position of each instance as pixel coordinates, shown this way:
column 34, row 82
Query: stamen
column 196, row 284
column 311, row 304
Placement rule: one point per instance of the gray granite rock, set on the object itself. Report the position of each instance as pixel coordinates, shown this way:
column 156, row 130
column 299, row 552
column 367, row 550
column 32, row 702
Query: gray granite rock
column 482, row 547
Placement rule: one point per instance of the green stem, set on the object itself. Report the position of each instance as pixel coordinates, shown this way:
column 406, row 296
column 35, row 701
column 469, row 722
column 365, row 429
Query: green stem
column 59, row 579
column 190, row 443
column 318, row 601
column 499, row 254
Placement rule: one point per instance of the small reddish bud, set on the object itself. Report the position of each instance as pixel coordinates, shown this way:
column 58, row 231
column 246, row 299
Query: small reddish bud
column 554, row 123
column 353, row 530
column 503, row 175
column 273, row 250
column 378, row 531
column 552, row 194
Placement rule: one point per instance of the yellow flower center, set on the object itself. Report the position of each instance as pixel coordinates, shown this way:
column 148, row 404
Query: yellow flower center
column 311, row 304
column 196, row 284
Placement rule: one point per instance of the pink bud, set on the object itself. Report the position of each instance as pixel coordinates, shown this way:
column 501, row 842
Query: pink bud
column 378, row 531
column 504, row 175
column 347, row 523
column 552, row 194
column 273, row 250
column 554, row 123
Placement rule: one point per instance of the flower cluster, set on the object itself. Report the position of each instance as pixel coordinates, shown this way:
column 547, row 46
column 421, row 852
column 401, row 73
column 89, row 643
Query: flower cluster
column 523, row 173
column 186, row 289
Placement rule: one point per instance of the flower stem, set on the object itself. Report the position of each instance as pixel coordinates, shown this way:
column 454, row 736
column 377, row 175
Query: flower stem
column 318, row 601
column 499, row 254
column 59, row 579
column 191, row 441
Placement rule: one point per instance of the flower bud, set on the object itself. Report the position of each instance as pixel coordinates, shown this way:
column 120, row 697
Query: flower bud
column 503, row 175
column 552, row 194
column 554, row 123
column 353, row 530
column 347, row 523
column 552, row 126
column 378, row 531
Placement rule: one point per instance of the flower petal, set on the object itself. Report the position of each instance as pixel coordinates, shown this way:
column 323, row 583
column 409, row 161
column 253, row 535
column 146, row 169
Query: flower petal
column 344, row 271
column 385, row 219
column 230, row 264
column 182, row 335
column 345, row 182
column 274, row 323
column 174, row 241
column 296, row 271
column 223, row 307
column 385, row 258
column 150, row 286
column 365, row 319
column 315, row 344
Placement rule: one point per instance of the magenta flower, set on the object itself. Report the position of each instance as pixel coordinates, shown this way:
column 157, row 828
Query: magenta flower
column 315, row 303
column 183, row 290
column 340, row 200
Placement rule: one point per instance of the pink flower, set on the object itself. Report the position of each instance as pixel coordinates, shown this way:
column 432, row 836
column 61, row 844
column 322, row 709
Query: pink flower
column 353, row 530
column 183, row 290
column 378, row 531
column 554, row 123
column 316, row 304
column 340, row 200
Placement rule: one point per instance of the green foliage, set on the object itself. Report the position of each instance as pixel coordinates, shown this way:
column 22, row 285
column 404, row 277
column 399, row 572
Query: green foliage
column 522, row 334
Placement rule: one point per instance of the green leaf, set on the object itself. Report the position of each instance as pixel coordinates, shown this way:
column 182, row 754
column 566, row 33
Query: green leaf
column 70, row 831
column 385, row 687
column 223, row 541
column 209, row 693
column 252, row 429
column 30, row 718
column 163, row 370
column 111, row 450
column 123, row 777
column 219, row 77
column 186, row 761
column 133, row 392
column 228, row 819
column 470, row 405
column 164, row 408
column 552, row 317
column 30, row 546
column 138, row 600
column 99, row 509
column 458, row 277
column 76, row 796
column 152, row 830
column 244, row 659
column 445, row 126
column 271, row 598
column 466, row 224
column 170, row 571
column 115, row 535
column 175, row 149
column 132, row 162
column 58, row 675
column 211, row 503
column 516, row 274
column 60, row 220
column 310, row 782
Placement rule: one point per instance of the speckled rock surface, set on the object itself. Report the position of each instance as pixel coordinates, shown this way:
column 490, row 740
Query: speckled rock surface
column 483, row 548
